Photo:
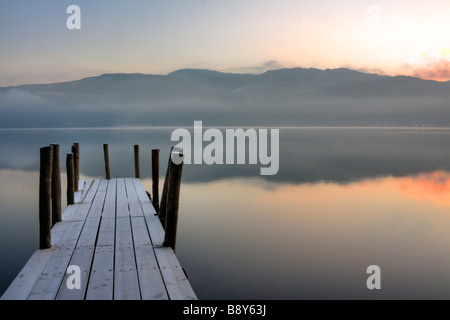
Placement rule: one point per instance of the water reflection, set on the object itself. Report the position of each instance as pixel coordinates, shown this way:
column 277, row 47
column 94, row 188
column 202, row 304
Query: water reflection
column 306, row 154
column 242, row 239
column 433, row 187
column 343, row 199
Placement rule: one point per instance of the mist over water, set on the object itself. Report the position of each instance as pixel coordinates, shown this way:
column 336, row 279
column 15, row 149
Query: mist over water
column 343, row 199
column 283, row 97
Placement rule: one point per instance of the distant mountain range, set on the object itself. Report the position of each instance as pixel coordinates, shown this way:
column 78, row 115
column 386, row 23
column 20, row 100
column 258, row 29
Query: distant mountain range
column 284, row 97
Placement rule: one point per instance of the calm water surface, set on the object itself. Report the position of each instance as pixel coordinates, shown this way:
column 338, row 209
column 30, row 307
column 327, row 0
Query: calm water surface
column 343, row 199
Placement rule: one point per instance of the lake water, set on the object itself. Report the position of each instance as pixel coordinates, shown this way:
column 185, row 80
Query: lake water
column 343, row 199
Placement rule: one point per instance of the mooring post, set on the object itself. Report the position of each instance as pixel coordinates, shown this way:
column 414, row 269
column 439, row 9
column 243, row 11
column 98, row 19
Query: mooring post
column 76, row 163
column 136, row 162
column 172, row 204
column 162, row 206
column 70, row 179
column 155, row 179
column 56, row 186
column 106, row 156
column 45, row 190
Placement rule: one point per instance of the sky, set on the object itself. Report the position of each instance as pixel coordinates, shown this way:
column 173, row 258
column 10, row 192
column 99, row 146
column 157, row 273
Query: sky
column 242, row 36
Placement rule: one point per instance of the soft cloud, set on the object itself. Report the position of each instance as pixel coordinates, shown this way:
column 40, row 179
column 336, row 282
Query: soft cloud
column 431, row 68
column 365, row 69
column 437, row 70
column 268, row 65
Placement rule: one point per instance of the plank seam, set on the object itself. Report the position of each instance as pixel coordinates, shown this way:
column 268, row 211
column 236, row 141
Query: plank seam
column 95, row 242
column 132, row 239
column 78, row 238
column 56, row 246
column 151, row 241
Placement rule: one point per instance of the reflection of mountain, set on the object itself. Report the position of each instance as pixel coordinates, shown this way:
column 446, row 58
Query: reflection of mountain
column 306, row 155
column 286, row 97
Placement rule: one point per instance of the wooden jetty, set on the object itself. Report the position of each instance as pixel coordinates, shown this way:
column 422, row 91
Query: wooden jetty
column 115, row 238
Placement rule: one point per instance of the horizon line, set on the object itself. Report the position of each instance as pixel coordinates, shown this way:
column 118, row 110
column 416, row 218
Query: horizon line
column 159, row 127
column 226, row 72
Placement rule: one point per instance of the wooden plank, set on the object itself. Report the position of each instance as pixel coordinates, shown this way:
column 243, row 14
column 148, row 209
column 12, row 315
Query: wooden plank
column 103, row 186
column 141, row 236
column 81, row 194
column 58, row 231
column 78, row 197
column 101, row 280
column 177, row 284
column 106, row 233
column 122, row 209
column 69, row 212
column 90, row 230
column 82, row 257
column 154, row 226
column 133, row 201
column 155, row 230
column 72, row 233
column 51, row 278
column 48, row 284
column 150, row 279
column 84, row 207
column 87, row 185
column 31, row 272
column 83, row 254
column 25, row 281
column 97, row 205
column 109, row 207
column 89, row 233
column 91, row 192
column 146, row 205
column 126, row 285
column 81, row 184
column 82, row 212
column 124, row 238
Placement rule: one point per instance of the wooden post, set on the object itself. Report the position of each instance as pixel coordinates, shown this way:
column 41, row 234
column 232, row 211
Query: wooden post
column 76, row 163
column 106, row 155
column 56, row 186
column 162, row 207
column 172, row 204
column 45, row 191
column 70, row 179
column 136, row 161
column 155, row 179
